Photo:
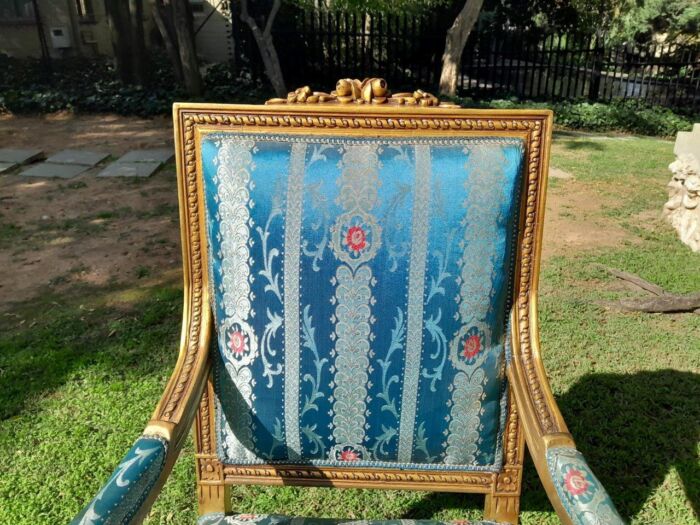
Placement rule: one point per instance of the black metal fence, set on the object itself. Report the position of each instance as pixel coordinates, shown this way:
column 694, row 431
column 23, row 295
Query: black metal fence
column 317, row 47
column 566, row 67
column 331, row 45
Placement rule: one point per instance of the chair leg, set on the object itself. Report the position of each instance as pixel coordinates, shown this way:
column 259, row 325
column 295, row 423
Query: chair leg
column 213, row 498
column 213, row 495
column 502, row 509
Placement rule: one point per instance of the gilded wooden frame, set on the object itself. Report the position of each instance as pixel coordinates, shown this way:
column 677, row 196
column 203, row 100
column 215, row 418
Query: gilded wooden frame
column 532, row 415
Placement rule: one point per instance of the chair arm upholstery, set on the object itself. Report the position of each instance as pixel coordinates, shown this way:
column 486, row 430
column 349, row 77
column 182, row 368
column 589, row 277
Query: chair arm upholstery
column 580, row 493
column 120, row 499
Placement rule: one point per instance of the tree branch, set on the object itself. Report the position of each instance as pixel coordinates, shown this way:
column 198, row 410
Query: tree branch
column 271, row 18
column 635, row 280
column 244, row 12
column 663, row 303
column 266, row 45
column 660, row 302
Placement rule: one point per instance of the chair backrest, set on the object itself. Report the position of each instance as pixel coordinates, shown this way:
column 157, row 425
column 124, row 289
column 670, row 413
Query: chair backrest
column 361, row 285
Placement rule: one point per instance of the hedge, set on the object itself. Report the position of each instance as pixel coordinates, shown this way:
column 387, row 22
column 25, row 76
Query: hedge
column 626, row 116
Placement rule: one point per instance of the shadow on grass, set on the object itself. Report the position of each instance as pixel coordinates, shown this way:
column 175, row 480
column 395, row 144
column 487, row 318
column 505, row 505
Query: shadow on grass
column 60, row 338
column 632, row 429
column 584, row 145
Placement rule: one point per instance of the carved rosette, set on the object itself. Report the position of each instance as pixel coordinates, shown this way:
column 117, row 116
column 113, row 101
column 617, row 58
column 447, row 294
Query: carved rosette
column 367, row 91
column 209, row 469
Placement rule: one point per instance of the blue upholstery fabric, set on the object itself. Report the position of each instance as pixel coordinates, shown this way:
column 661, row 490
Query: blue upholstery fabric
column 580, row 492
column 361, row 290
column 265, row 519
column 121, row 497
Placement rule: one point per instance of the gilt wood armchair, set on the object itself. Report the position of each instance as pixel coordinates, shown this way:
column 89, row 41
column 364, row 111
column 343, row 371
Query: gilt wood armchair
column 360, row 308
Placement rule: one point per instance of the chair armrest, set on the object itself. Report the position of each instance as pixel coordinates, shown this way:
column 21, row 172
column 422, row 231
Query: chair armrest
column 121, row 498
column 579, row 492
column 576, row 494
column 129, row 493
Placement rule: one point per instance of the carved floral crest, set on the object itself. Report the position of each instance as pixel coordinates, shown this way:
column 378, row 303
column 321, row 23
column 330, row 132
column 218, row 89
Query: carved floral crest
column 367, row 91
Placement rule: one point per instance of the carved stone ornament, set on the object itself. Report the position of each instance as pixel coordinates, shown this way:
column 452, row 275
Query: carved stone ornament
column 683, row 206
column 367, row 91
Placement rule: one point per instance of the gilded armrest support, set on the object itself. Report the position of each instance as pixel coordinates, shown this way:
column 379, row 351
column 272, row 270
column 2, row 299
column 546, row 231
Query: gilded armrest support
column 576, row 494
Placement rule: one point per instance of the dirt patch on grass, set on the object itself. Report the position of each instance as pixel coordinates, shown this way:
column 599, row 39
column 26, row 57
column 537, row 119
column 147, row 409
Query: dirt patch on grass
column 109, row 133
column 86, row 230
column 55, row 234
column 575, row 221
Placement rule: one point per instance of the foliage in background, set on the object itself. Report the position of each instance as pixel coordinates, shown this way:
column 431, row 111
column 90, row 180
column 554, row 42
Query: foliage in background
column 643, row 21
column 526, row 15
column 624, row 20
column 89, row 86
column 627, row 20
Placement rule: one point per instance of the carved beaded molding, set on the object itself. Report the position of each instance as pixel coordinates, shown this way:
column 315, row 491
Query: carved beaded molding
column 532, row 126
column 327, row 475
column 205, row 443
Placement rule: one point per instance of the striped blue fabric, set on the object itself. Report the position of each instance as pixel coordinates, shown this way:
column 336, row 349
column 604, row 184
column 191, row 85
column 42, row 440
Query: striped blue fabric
column 361, row 290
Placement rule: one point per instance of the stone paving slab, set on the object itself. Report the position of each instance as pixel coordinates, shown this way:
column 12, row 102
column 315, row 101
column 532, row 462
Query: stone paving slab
column 7, row 166
column 77, row 156
column 130, row 169
column 19, row 156
column 162, row 155
column 47, row 169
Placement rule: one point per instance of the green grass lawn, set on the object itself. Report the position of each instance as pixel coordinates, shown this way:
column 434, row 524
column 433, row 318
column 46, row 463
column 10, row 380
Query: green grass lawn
column 79, row 377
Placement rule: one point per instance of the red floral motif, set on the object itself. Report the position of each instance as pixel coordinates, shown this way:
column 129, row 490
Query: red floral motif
column 575, row 482
column 246, row 517
column 472, row 346
column 349, row 455
column 356, row 238
column 236, row 343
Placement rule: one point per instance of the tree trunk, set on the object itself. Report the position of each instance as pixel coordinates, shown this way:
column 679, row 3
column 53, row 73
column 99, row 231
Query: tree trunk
column 139, row 57
column 120, row 28
column 266, row 45
column 455, row 41
column 163, row 20
column 126, row 27
column 182, row 20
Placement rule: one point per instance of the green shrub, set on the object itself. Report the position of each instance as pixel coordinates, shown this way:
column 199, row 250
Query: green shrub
column 630, row 116
column 92, row 86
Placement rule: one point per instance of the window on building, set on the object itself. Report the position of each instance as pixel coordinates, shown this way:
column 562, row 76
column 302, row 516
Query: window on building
column 197, row 6
column 16, row 9
column 84, row 8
